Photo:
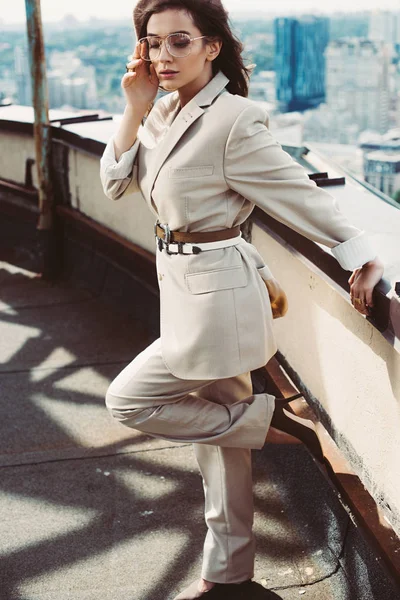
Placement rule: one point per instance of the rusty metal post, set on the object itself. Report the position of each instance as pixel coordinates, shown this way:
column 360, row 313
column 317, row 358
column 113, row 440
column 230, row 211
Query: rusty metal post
column 42, row 135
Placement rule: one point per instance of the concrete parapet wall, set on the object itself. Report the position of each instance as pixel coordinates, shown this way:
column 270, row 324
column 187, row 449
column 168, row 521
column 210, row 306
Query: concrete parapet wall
column 16, row 148
column 347, row 365
column 129, row 216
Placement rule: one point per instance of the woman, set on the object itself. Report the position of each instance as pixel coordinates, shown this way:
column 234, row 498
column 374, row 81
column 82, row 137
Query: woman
column 202, row 160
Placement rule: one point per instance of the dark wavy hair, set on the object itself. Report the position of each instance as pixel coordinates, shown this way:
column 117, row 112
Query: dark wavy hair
column 211, row 18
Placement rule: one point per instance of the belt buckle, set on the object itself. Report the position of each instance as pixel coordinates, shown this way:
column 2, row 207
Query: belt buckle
column 167, row 240
column 158, row 239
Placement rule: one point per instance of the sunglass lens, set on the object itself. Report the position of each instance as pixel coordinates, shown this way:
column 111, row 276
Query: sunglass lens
column 179, row 44
column 145, row 49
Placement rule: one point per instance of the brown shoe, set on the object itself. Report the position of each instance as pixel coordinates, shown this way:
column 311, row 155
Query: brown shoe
column 304, row 430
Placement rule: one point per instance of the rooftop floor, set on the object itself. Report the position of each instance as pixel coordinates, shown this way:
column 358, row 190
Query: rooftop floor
column 90, row 509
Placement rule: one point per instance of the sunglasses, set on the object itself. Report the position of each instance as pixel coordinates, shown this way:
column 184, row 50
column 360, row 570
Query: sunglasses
column 178, row 45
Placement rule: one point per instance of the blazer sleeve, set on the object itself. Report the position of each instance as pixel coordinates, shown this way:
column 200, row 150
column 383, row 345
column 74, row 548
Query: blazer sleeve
column 256, row 166
column 119, row 177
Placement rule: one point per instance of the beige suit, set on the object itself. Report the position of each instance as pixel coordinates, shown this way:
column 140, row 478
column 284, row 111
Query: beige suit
column 203, row 169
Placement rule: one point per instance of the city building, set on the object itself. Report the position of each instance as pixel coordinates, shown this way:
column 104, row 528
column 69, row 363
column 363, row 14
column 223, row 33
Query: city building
column 357, row 82
column 70, row 83
column 382, row 170
column 8, row 86
column 389, row 142
column 262, row 86
column 325, row 124
column 300, row 61
column 22, row 76
column 384, row 26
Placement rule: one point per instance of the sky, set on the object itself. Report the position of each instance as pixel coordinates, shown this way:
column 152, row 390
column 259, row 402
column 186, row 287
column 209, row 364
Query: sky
column 54, row 10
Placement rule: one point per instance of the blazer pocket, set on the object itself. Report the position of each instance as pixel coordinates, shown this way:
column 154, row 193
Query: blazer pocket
column 199, row 171
column 212, row 281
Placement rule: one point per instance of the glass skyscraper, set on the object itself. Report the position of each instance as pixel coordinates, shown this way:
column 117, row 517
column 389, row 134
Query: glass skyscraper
column 300, row 62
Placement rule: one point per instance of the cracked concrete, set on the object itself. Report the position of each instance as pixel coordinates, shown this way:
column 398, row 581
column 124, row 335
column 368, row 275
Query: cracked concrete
column 89, row 508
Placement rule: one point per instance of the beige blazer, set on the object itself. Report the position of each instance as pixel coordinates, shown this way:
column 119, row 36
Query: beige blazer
column 204, row 169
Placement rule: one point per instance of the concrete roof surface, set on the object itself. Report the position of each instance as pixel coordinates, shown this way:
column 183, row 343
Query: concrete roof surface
column 90, row 509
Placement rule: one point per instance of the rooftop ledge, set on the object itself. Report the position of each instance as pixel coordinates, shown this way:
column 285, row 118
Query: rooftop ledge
column 366, row 207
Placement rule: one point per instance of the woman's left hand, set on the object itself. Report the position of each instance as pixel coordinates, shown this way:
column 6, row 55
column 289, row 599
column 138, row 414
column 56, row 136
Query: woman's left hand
column 362, row 283
column 278, row 298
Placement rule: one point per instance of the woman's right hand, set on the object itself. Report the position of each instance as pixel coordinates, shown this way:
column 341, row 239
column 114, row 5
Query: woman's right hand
column 140, row 87
column 362, row 284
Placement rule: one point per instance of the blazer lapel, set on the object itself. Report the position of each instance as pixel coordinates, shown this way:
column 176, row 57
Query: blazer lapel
column 175, row 128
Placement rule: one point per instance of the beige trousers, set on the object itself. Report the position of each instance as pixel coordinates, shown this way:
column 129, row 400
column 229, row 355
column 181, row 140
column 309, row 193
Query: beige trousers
column 224, row 421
